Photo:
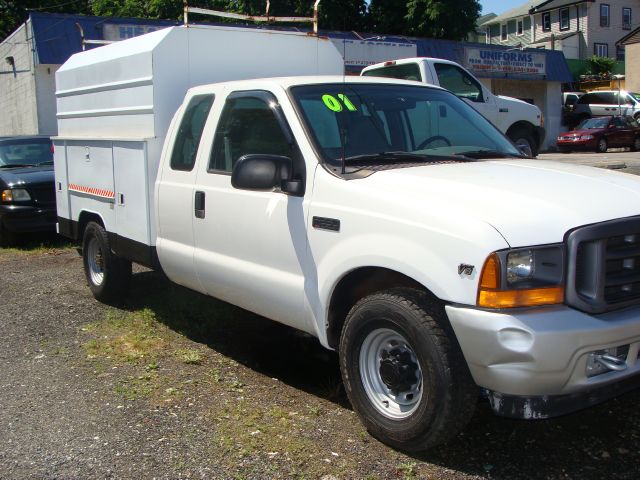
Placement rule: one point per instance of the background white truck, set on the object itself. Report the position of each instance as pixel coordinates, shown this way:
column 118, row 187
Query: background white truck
column 357, row 210
column 520, row 121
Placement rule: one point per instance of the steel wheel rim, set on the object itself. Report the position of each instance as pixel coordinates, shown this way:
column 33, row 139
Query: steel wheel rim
column 393, row 405
column 95, row 261
column 524, row 146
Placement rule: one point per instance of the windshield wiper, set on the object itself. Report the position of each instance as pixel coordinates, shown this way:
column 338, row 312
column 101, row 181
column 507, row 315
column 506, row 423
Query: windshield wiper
column 16, row 165
column 482, row 154
column 383, row 158
column 50, row 162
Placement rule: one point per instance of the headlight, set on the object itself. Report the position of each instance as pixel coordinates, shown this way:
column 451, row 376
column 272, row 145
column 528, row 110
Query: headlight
column 522, row 277
column 15, row 195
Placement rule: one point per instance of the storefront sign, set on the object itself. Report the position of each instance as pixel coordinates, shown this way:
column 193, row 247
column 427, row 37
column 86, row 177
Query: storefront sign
column 499, row 61
column 114, row 32
column 361, row 53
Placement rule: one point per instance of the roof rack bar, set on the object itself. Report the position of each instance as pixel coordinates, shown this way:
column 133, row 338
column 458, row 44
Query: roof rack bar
column 253, row 18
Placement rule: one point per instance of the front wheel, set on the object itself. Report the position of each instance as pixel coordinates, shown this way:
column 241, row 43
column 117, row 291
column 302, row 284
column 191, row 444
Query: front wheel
column 602, row 146
column 107, row 274
column 404, row 372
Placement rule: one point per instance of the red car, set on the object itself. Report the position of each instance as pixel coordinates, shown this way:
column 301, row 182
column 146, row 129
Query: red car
column 601, row 133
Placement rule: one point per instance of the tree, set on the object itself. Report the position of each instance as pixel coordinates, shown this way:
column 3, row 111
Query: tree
column 387, row 16
column 14, row 12
column 442, row 18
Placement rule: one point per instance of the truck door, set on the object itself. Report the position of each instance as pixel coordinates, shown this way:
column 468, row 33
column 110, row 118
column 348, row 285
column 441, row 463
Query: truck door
column 459, row 82
column 175, row 243
column 250, row 246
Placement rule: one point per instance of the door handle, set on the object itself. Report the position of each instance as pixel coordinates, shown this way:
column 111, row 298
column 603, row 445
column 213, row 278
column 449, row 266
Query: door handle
column 199, row 205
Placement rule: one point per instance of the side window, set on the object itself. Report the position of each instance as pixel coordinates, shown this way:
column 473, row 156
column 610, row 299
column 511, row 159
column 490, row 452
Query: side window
column 247, row 125
column 185, row 148
column 406, row 71
column 458, row 82
column 620, row 122
column 611, row 98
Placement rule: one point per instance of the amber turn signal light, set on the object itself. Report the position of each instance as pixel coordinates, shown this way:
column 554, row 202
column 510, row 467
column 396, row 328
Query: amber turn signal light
column 491, row 296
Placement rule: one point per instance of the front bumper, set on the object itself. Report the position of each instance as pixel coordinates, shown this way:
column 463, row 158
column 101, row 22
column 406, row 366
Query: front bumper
column 576, row 144
column 544, row 352
column 28, row 218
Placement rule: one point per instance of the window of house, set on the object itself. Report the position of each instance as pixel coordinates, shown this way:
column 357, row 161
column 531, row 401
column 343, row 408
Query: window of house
column 620, row 53
column 564, row 19
column 185, row 148
column 604, row 15
column 601, row 49
column 546, row 22
column 520, row 27
column 626, row 18
column 503, row 32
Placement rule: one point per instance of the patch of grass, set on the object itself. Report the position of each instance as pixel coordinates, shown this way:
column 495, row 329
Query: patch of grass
column 135, row 388
column 407, row 470
column 190, row 356
column 128, row 337
column 36, row 245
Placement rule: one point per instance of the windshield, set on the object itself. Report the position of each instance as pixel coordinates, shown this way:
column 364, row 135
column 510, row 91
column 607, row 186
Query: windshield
column 394, row 124
column 19, row 152
column 591, row 123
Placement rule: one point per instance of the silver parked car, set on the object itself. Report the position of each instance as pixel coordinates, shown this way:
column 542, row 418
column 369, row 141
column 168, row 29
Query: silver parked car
column 607, row 102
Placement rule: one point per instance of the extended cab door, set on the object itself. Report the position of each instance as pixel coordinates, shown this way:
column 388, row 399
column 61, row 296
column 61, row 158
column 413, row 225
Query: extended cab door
column 462, row 84
column 250, row 245
column 174, row 195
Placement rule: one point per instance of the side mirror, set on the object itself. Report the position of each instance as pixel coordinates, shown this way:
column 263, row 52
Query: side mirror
column 265, row 172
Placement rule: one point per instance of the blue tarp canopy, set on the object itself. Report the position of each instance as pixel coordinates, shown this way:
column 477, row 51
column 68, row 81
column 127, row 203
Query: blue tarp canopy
column 57, row 37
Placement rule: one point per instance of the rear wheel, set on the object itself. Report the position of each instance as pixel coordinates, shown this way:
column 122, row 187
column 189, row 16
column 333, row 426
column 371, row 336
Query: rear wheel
column 404, row 372
column 602, row 146
column 107, row 274
column 635, row 147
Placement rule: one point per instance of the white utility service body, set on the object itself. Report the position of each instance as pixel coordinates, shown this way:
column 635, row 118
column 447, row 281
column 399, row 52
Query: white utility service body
column 518, row 120
column 115, row 104
column 385, row 217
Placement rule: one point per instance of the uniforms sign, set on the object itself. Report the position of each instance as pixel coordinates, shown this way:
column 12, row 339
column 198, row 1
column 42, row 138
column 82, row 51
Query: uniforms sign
column 498, row 61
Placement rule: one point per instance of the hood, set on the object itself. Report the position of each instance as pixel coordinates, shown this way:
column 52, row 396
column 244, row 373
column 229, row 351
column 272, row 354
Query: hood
column 26, row 175
column 584, row 131
column 530, row 202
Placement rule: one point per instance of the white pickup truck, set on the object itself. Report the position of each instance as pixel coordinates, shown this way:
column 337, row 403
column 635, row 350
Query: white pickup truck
column 386, row 218
column 520, row 121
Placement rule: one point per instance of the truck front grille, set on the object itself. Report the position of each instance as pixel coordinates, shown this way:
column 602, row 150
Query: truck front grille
column 44, row 195
column 604, row 266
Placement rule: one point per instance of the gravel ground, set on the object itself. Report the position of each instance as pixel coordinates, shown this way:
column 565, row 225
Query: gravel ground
column 173, row 385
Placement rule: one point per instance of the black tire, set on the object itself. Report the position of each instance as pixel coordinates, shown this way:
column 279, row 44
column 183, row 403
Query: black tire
column 635, row 146
column 108, row 275
column 523, row 137
column 7, row 238
column 447, row 396
column 602, row 145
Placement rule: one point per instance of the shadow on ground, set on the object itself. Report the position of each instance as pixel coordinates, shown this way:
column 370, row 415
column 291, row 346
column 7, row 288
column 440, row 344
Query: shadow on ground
column 265, row 346
column 592, row 443
column 28, row 242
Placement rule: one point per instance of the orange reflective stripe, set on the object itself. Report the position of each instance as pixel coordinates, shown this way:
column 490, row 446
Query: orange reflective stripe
column 98, row 192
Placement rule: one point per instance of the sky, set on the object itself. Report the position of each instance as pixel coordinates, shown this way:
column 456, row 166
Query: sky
column 499, row 6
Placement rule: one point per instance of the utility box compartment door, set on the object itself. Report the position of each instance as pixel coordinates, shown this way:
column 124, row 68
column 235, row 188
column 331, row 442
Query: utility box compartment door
column 90, row 179
column 131, row 191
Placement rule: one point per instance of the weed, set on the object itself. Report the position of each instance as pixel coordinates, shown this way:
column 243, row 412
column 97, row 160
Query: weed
column 407, row 469
column 190, row 356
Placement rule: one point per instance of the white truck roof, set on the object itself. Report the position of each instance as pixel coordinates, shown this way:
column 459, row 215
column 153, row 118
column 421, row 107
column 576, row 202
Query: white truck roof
column 132, row 88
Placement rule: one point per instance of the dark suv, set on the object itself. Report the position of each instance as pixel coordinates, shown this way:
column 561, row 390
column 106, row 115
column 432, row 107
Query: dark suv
column 27, row 186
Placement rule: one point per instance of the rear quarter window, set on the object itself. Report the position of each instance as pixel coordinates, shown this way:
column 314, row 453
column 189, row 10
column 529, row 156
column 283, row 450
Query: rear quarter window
column 406, row 71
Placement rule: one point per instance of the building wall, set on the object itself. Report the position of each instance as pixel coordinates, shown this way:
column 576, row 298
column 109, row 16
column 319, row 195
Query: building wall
column 632, row 71
column 576, row 22
column 609, row 35
column 513, row 38
column 17, row 92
